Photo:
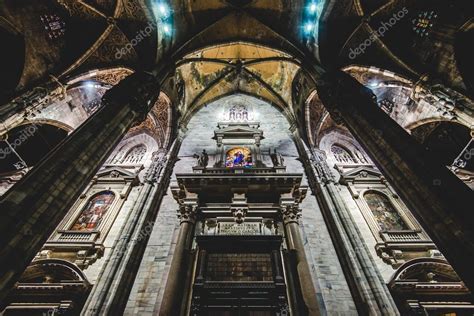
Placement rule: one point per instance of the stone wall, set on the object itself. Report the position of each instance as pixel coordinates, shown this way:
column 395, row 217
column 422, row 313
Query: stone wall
column 327, row 273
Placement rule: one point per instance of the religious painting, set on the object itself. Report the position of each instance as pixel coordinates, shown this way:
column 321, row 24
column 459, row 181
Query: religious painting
column 239, row 157
column 384, row 212
column 92, row 215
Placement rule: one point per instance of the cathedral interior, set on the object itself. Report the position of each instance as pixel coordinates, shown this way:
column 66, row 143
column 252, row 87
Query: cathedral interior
column 237, row 157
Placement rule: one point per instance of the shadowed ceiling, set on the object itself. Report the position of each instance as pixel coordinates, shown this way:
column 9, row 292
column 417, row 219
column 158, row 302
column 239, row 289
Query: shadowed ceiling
column 64, row 38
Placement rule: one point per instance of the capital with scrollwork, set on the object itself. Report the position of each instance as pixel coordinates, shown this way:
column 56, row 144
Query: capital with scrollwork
column 187, row 213
column 290, row 213
column 140, row 91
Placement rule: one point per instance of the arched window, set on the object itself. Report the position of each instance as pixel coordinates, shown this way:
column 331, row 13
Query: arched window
column 341, row 154
column 238, row 157
column 93, row 213
column 135, row 155
column 384, row 212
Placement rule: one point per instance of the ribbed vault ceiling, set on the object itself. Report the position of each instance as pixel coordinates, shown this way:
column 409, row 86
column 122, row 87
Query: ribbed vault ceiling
column 221, row 70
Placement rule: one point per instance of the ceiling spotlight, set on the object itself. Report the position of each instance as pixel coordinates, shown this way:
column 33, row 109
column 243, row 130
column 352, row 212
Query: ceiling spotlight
column 312, row 8
column 309, row 27
column 167, row 29
column 163, row 10
column 373, row 84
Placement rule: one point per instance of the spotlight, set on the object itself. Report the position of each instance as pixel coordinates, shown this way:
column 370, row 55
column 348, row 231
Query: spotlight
column 163, row 9
column 373, row 84
column 167, row 29
column 312, row 8
column 309, row 27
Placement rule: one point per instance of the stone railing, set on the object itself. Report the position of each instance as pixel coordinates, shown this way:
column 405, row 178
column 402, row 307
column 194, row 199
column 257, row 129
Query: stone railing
column 404, row 236
column 74, row 237
column 239, row 170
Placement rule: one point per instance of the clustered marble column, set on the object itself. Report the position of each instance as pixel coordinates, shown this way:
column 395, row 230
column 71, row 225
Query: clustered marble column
column 367, row 286
column 33, row 208
column 173, row 296
column 440, row 201
column 114, row 283
column 290, row 213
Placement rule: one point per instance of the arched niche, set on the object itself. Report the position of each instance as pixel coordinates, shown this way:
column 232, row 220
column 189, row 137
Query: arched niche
column 54, row 271
column 47, row 287
column 419, row 269
column 336, row 138
column 29, row 144
column 341, row 154
column 140, row 145
column 134, row 155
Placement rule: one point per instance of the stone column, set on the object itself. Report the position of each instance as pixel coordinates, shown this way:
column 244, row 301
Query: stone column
column 33, row 208
column 202, row 266
column 276, row 267
column 114, row 283
column 173, row 296
column 440, row 201
column 291, row 213
column 367, row 286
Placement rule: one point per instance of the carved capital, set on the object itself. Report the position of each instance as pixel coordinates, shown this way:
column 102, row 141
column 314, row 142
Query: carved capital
column 339, row 92
column 139, row 90
column 290, row 213
column 187, row 213
column 239, row 214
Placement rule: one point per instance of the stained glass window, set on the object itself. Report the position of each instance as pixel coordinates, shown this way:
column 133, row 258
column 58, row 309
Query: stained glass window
column 423, row 23
column 341, row 154
column 135, row 155
column 92, row 215
column 239, row 157
column 384, row 212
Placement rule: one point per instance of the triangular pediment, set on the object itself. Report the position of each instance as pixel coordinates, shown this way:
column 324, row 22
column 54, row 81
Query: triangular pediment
column 362, row 173
column 237, row 130
column 241, row 129
column 116, row 172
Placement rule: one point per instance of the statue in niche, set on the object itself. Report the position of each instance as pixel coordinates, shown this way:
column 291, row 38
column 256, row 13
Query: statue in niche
column 202, row 159
column 238, row 113
column 277, row 158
